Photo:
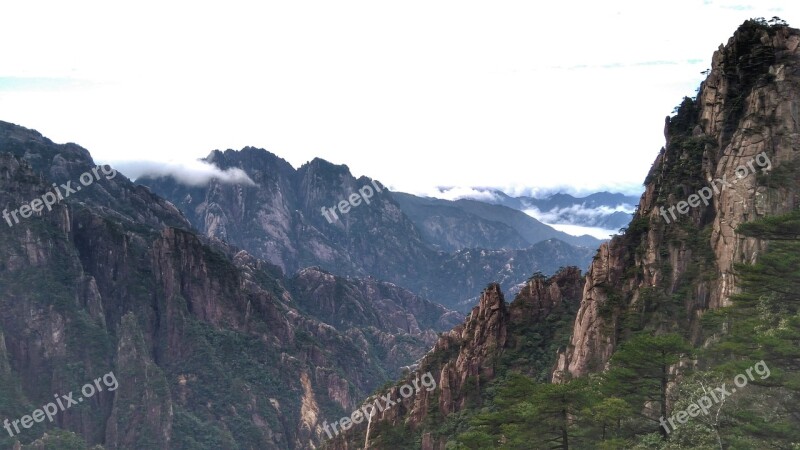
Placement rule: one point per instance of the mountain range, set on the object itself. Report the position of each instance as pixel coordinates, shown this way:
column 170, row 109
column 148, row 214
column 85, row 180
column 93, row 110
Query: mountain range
column 669, row 311
column 443, row 251
column 238, row 314
column 606, row 210
column 201, row 335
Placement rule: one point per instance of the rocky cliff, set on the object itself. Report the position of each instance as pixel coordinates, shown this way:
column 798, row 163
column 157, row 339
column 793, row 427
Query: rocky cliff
column 736, row 144
column 496, row 337
column 731, row 156
column 212, row 347
column 280, row 219
column 462, row 224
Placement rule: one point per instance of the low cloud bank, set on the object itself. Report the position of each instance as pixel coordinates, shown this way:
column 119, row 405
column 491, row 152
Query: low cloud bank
column 579, row 230
column 191, row 173
column 577, row 214
column 518, row 190
column 456, row 193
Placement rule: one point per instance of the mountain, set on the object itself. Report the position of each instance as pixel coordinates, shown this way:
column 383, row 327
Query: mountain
column 698, row 294
column 286, row 218
column 456, row 225
column 743, row 110
column 210, row 346
column 602, row 210
column 472, row 267
column 496, row 338
column 605, row 210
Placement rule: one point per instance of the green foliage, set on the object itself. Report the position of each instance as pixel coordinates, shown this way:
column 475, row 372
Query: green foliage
column 640, row 370
column 614, row 301
column 636, row 228
column 191, row 433
column 594, row 412
column 784, row 176
column 685, row 174
column 775, row 228
column 621, row 408
column 534, row 344
column 607, row 414
column 685, row 118
column 60, row 440
column 394, row 436
column 220, row 265
column 745, row 65
column 472, row 392
column 539, row 276
column 763, row 324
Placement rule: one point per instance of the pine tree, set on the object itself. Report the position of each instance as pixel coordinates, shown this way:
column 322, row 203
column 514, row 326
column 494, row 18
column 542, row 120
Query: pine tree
column 640, row 371
column 764, row 324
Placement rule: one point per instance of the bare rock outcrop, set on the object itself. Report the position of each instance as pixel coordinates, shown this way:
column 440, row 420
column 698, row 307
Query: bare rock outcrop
column 468, row 357
column 739, row 139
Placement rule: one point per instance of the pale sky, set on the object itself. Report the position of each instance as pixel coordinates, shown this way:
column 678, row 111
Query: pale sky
column 517, row 95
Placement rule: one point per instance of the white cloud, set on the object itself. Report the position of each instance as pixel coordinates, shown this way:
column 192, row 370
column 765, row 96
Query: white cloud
column 568, row 215
column 578, row 230
column 459, row 192
column 192, row 173
column 418, row 94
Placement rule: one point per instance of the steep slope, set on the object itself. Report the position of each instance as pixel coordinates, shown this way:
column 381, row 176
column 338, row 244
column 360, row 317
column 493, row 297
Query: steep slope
column 400, row 326
column 449, row 225
column 281, row 220
column 665, row 271
column 496, row 338
column 211, row 347
column 473, row 267
column 284, row 219
column 642, row 302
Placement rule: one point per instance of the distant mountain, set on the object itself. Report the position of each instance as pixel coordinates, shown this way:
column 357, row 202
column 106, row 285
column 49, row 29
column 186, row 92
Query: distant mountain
column 605, row 210
column 473, row 267
column 456, row 225
column 286, row 218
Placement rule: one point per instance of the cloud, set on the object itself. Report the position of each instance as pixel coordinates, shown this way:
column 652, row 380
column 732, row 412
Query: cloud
column 580, row 188
column 459, row 192
column 619, row 65
column 523, row 122
column 21, row 84
column 578, row 230
column 578, row 220
column 489, row 193
column 738, row 7
column 192, row 173
column 576, row 214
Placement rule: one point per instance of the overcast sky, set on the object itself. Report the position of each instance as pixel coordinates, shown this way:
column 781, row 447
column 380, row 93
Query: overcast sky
column 517, row 95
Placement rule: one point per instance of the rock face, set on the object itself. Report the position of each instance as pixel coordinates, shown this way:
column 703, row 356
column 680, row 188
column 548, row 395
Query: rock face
column 465, row 359
column 456, row 225
column 212, row 348
column 280, row 220
column 743, row 128
column 379, row 314
column 664, row 271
